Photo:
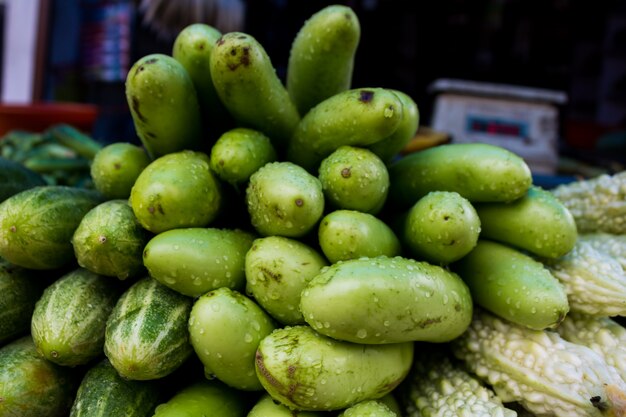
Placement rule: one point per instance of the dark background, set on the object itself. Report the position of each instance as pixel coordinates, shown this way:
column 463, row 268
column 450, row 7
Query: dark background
column 574, row 46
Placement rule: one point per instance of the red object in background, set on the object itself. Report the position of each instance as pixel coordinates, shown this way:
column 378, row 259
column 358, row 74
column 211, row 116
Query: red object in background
column 37, row 117
column 583, row 134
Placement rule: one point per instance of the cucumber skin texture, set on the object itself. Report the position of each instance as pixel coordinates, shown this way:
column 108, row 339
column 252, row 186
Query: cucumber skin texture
column 321, row 59
column 109, row 240
column 266, row 406
column 164, row 105
column 350, row 234
column 537, row 222
column 248, row 86
column 36, row 225
column 226, row 328
column 357, row 117
column 15, row 177
column 194, row 261
column 32, row 386
column 513, row 285
column 277, row 270
column 354, row 179
column 103, row 392
column 137, row 342
column 391, row 146
column 387, row 300
column 70, row 317
column 177, row 190
column 203, row 398
column 311, row 372
column 477, row 171
column 20, row 291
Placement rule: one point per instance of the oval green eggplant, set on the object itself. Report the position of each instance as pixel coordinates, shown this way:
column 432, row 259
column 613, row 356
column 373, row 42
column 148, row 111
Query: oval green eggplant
column 109, row 240
column 354, row 179
column 115, row 169
column 277, row 270
column 164, row 105
column 349, row 234
column 247, row 84
column 285, row 200
column 226, row 328
column 538, row 223
column 513, row 285
column 176, row 191
column 357, row 117
column 479, row 172
column 146, row 335
column 321, row 59
column 69, row 319
column 197, row 260
column 31, row 386
column 266, row 406
column 387, row 300
column 369, row 408
column 441, row 227
column 203, row 398
column 306, row 370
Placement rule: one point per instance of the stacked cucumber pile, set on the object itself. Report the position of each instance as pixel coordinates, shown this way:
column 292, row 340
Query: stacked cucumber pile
column 264, row 253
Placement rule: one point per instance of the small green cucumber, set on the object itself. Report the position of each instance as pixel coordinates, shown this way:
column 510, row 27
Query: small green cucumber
column 226, row 328
column 513, row 285
column 308, row 371
column 387, row 300
column 194, row 261
column 277, row 270
column 284, row 199
column 109, row 240
column 115, row 169
column 203, row 398
column 31, row 386
column 239, row 153
column 36, row 225
column 354, row 179
column 357, row 117
column 72, row 138
column 350, row 234
column 538, row 223
column 247, row 84
column 146, row 335
column 441, row 227
column 321, row 59
column 477, row 171
column 266, row 406
column 391, row 146
column 175, row 191
column 103, row 392
column 69, row 319
column 164, row 105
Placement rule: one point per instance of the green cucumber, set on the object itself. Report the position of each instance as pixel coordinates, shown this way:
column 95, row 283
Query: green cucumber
column 67, row 135
column 513, row 285
column 146, row 335
column 321, row 59
column 68, row 322
column 250, row 89
column 308, row 371
column 203, row 398
column 357, row 117
column 164, row 105
column 387, row 300
column 538, row 223
column 36, row 225
column 31, row 386
column 103, row 392
column 15, row 177
column 477, row 171
column 194, row 261
column 109, row 240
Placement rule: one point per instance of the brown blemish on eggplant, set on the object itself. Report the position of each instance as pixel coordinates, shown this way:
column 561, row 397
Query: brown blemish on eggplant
column 220, row 41
column 200, row 46
column 117, row 165
column 366, row 96
column 160, row 208
column 13, row 229
column 151, row 61
column 135, row 106
column 299, row 202
column 425, row 323
column 346, row 173
column 242, row 37
column 151, row 135
column 260, row 364
column 245, row 58
column 271, row 274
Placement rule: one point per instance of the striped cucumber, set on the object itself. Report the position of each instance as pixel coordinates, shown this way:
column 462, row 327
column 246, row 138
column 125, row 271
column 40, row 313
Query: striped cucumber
column 69, row 319
column 146, row 335
column 103, row 392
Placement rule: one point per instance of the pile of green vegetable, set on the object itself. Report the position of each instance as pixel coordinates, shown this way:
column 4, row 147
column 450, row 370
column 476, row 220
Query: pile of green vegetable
column 264, row 253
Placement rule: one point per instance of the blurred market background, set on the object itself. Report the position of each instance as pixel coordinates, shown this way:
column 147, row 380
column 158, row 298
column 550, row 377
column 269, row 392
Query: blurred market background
column 546, row 78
